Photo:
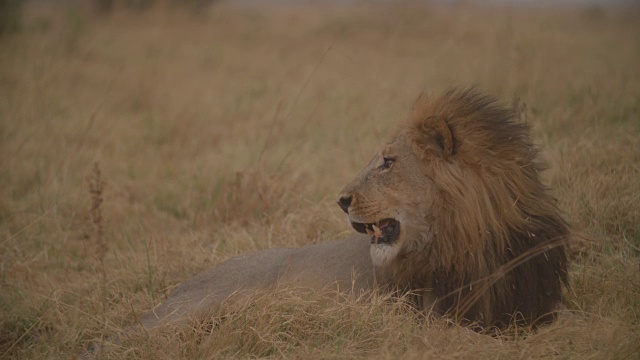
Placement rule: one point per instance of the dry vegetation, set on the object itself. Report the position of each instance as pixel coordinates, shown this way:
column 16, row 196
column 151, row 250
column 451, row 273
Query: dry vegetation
column 234, row 129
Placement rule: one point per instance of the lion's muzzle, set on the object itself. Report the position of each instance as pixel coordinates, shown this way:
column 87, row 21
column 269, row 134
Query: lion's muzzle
column 384, row 231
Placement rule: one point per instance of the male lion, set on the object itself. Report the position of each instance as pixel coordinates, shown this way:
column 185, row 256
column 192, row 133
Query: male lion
column 452, row 209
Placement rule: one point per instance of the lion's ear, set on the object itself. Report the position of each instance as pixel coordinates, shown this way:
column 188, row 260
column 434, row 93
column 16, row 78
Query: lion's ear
column 438, row 136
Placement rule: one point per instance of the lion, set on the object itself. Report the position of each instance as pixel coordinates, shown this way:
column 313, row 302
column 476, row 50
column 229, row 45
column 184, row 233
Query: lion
column 452, row 210
column 459, row 216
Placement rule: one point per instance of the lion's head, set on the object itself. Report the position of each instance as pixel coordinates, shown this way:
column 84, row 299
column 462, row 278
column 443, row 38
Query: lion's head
column 457, row 211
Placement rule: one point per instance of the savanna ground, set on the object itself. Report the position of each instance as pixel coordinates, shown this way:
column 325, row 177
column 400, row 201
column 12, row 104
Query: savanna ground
column 232, row 129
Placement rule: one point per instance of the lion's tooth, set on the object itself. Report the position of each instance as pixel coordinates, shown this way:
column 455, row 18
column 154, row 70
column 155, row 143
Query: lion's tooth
column 369, row 231
column 376, row 231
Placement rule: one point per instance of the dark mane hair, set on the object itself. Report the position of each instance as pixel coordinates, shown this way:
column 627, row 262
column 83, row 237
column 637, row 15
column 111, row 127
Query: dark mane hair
column 498, row 255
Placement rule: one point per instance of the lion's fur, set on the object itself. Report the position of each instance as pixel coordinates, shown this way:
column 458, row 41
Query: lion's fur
column 498, row 249
column 489, row 240
column 339, row 265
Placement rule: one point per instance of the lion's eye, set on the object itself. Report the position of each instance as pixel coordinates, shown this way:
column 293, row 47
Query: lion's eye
column 388, row 162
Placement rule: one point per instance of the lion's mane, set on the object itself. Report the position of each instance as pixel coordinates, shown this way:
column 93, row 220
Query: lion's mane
column 498, row 252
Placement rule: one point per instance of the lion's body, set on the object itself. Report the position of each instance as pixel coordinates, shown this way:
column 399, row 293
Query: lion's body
column 341, row 265
column 455, row 211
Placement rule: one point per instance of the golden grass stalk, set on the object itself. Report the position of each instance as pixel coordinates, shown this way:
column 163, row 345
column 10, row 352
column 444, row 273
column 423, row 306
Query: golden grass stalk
column 96, row 189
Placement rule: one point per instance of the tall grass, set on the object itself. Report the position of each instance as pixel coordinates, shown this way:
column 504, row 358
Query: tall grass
column 235, row 130
column 96, row 189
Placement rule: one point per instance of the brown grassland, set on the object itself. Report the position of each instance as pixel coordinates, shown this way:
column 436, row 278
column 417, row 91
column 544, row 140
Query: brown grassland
column 234, row 128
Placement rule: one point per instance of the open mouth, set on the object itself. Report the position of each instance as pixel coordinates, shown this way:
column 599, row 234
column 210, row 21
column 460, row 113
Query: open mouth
column 385, row 231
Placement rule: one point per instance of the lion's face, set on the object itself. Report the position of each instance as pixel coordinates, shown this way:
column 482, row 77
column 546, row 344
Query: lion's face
column 389, row 201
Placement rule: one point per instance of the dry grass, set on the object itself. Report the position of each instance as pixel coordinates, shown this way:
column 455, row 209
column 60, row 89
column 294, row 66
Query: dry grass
column 234, row 130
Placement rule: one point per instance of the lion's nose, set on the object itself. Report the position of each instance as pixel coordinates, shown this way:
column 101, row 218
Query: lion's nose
column 345, row 202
